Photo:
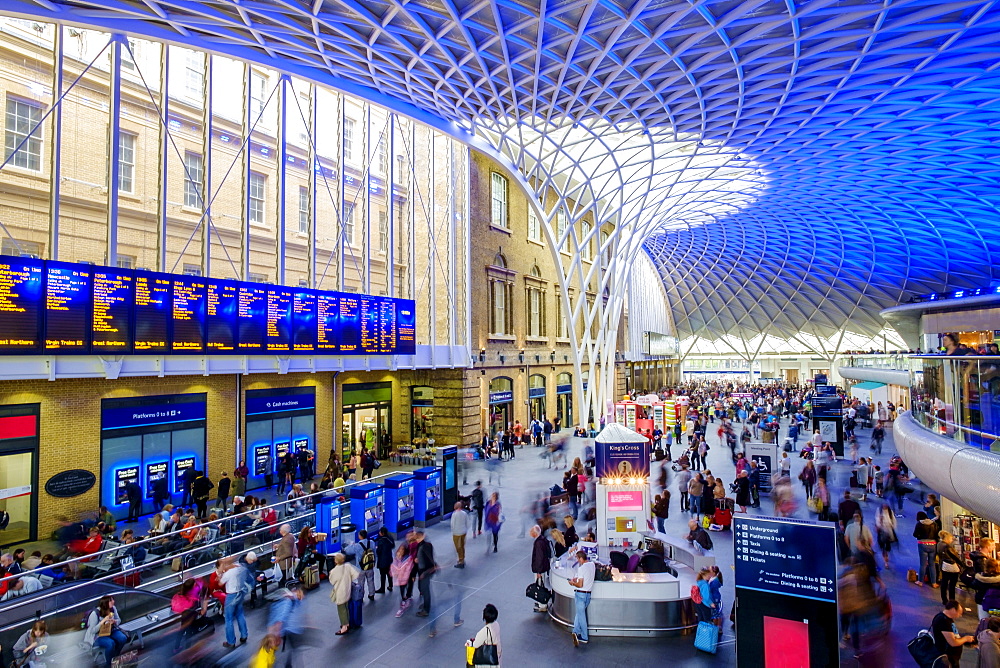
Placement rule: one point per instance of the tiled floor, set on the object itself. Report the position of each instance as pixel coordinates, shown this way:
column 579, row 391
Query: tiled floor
column 532, row 640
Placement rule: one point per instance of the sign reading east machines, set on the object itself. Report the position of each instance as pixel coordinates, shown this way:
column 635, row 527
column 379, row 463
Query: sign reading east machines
column 786, row 592
column 64, row 308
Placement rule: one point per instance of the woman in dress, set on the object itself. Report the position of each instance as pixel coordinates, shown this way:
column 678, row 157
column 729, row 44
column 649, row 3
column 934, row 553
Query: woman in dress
column 742, row 484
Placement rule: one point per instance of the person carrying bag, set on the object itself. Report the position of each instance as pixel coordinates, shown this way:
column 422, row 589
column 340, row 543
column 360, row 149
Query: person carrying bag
column 485, row 647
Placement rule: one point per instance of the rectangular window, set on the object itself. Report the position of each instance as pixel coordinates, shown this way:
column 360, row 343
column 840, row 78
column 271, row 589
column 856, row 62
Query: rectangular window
column 22, row 118
column 349, row 224
column 383, row 232
column 383, row 156
column 534, row 229
column 126, row 162
column 534, row 312
column 256, row 198
column 257, row 278
column 20, row 248
column 585, row 241
column 401, row 175
column 194, row 75
column 499, row 197
column 257, row 84
column 606, row 252
column 303, row 209
column 125, row 261
column 194, row 174
column 348, row 139
column 499, row 307
column 128, row 63
column 561, row 318
column 192, row 270
column 560, row 224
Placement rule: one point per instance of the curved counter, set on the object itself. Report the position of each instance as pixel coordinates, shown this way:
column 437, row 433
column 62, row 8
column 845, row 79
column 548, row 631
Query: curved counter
column 633, row 604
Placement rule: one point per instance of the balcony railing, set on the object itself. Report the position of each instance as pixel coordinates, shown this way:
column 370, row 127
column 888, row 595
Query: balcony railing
column 893, row 361
column 959, row 398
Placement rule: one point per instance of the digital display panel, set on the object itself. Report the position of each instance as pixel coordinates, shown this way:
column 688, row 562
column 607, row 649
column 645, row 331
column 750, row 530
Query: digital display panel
column 251, row 317
column 59, row 307
column 278, row 321
column 261, row 458
column 152, row 312
column 155, row 473
column 181, row 465
column 220, row 316
column 122, row 479
column 67, row 307
column 188, row 313
column 20, row 304
column 111, row 320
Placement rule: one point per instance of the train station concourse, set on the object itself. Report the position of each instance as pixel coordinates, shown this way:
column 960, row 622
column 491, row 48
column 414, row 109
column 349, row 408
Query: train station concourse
column 329, row 327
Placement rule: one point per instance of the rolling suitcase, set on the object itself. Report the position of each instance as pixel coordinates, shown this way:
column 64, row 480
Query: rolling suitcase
column 354, row 614
column 723, row 518
column 707, row 637
column 310, row 577
column 854, row 479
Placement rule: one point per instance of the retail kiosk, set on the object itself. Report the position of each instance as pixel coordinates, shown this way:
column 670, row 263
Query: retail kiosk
column 399, row 502
column 427, row 494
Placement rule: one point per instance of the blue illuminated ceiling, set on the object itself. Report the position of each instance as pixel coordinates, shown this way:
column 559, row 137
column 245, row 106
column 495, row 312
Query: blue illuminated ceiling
column 875, row 125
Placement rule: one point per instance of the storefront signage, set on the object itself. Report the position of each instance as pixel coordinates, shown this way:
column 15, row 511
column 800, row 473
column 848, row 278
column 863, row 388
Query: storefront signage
column 564, row 389
column 276, row 404
column 261, row 459
column 501, row 397
column 155, row 473
column 625, row 500
column 70, row 483
column 536, row 393
column 181, row 465
column 123, row 477
column 622, row 460
column 144, row 416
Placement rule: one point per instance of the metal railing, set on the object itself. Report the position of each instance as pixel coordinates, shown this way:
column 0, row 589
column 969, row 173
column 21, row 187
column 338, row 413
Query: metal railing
column 958, row 397
column 892, row 361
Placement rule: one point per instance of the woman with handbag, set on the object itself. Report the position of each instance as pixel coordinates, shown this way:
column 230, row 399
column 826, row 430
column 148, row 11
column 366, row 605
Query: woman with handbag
column 951, row 565
column 486, row 645
column 341, row 578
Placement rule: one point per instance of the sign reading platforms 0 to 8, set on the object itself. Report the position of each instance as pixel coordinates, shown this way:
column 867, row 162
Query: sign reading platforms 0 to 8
column 62, row 308
column 786, row 592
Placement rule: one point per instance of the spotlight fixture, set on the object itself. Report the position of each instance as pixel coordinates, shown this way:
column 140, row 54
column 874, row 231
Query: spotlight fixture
column 482, row 354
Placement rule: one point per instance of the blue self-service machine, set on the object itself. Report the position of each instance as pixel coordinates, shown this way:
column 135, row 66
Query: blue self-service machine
column 368, row 507
column 427, row 494
column 399, row 502
column 329, row 520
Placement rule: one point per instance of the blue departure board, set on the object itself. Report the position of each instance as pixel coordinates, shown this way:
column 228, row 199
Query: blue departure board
column 111, row 314
column 304, row 322
column 278, row 320
column 349, row 332
column 151, row 316
column 327, row 323
column 251, row 317
column 190, row 298
column 221, row 307
column 67, row 307
column 21, row 284
column 64, row 308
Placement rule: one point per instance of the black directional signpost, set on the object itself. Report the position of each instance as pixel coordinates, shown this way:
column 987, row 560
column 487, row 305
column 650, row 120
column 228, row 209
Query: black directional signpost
column 786, row 593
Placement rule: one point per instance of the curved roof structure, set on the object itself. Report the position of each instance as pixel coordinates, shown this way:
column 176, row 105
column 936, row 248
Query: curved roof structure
column 871, row 129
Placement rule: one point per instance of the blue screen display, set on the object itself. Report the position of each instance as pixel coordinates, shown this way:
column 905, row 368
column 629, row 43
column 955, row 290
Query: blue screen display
column 60, row 307
column 783, row 556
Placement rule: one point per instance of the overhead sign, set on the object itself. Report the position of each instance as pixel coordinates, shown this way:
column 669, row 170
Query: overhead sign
column 273, row 401
column 622, row 460
column 145, row 416
column 662, row 345
column 501, row 397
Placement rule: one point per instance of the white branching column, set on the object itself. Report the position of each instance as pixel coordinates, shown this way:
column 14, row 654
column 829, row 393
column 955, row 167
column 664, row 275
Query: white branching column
column 636, row 180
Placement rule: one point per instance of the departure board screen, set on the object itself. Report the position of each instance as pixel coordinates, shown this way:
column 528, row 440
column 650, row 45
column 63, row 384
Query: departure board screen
column 111, row 320
column 21, row 287
column 349, row 333
column 327, row 323
column 67, row 307
column 190, row 297
column 220, row 316
column 251, row 318
column 278, row 333
column 152, row 312
column 304, row 322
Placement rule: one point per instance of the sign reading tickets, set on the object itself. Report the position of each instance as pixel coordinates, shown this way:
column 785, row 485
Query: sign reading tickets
column 622, row 460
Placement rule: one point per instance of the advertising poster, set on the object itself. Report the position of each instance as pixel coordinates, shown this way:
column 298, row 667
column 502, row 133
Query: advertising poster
column 181, row 465
column 122, row 478
column 261, row 458
column 155, row 473
column 622, row 460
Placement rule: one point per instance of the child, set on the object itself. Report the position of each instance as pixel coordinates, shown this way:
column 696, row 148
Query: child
column 879, row 480
column 264, row 658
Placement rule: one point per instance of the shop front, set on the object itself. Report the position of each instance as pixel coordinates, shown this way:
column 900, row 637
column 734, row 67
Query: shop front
column 421, row 415
column 366, row 418
column 278, row 420
column 148, row 439
column 501, row 401
column 19, row 472
column 564, row 399
column 536, row 397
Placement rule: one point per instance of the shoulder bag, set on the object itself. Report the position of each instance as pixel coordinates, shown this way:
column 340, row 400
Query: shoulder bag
column 486, row 654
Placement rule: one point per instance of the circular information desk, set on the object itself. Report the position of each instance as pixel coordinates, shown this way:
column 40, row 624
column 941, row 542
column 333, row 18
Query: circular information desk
column 634, row 604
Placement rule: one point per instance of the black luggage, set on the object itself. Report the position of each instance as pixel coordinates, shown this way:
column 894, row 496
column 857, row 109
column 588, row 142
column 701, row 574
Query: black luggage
column 537, row 592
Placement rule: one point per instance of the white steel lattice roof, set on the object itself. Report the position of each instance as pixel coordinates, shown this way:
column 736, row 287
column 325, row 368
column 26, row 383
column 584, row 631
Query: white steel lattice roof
column 871, row 128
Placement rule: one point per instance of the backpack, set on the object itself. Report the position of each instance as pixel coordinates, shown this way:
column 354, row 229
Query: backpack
column 367, row 561
column 696, row 594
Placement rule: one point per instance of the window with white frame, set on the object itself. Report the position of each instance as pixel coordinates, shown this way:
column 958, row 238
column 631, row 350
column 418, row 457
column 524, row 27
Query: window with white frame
column 585, row 240
column 348, row 139
column 401, row 175
column 605, row 251
column 303, row 209
column 194, row 174
column 20, row 149
column 498, row 324
column 560, row 223
column 194, row 74
column 534, row 229
column 498, row 195
column 258, row 82
column 383, row 231
column 192, row 270
column 126, row 162
column 125, row 261
column 256, row 192
column 561, row 320
column 349, row 223
column 128, row 63
column 501, row 297
column 383, row 156
column 535, row 302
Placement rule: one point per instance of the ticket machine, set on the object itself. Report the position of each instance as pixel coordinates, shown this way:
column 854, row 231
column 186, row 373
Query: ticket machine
column 399, row 503
column 328, row 521
column 427, row 494
column 368, row 507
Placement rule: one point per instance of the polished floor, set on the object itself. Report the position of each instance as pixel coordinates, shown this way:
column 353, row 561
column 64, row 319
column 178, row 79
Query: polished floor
column 530, row 639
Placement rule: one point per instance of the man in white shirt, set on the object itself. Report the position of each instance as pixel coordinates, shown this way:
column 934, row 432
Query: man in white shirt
column 232, row 580
column 583, row 583
column 459, row 529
